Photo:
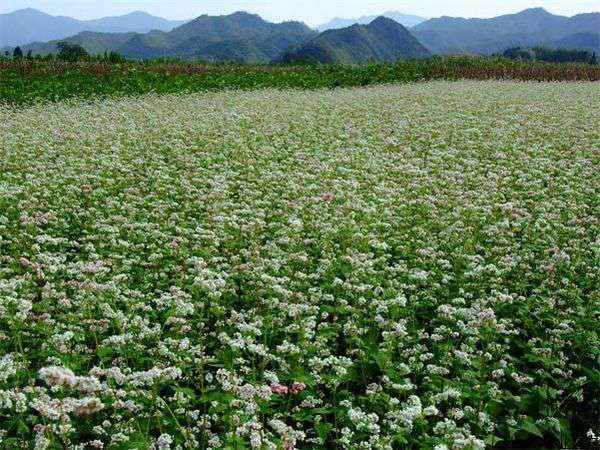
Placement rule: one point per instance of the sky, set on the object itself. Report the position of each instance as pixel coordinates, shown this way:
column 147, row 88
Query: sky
column 312, row 12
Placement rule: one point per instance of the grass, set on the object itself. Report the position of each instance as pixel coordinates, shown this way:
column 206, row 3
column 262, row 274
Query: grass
column 29, row 82
column 397, row 266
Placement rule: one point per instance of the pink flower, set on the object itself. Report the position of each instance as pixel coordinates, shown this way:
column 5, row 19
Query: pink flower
column 277, row 388
column 327, row 197
column 297, row 387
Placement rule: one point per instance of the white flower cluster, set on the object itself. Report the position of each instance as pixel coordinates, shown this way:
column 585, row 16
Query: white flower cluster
column 372, row 268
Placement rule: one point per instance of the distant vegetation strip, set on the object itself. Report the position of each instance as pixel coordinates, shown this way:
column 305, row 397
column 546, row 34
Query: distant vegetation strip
column 25, row 82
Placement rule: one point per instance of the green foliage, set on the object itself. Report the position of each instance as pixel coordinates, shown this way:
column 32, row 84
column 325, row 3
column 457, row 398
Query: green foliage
column 46, row 79
column 114, row 57
column 71, row 52
column 17, row 53
column 550, row 55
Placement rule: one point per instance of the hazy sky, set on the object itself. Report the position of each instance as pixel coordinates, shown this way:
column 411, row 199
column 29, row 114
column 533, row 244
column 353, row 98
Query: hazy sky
column 313, row 12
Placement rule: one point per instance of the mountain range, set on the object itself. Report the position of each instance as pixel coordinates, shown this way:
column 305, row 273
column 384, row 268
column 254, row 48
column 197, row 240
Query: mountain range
column 381, row 40
column 407, row 20
column 30, row 25
column 247, row 38
column 239, row 37
column 531, row 27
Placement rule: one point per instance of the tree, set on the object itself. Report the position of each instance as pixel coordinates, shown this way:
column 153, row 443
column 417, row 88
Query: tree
column 71, row 52
column 113, row 57
column 555, row 55
column 518, row 53
column 593, row 59
column 29, row 54
column 17, row 53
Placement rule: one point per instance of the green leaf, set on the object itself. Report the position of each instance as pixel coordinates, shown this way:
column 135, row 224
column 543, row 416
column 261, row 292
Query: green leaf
column 592, row 374
column 495, row 407
column 105, row 352
column 492, row 440
column 400, row 439
column 137, row 441
column 323, row 429
column 530, row 427
column 22, row 427
column 187, row 391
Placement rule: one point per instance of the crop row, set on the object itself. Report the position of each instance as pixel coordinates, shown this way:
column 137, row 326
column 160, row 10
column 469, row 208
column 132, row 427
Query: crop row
column 26, row 82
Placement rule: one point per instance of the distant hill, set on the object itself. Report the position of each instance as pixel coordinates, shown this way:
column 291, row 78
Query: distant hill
column 449, row 35
column 94, row 43
column 239, row 37
column 581, row 41
column 381, row 40
column 247, row 38
column 30, row 25
column 407, row 20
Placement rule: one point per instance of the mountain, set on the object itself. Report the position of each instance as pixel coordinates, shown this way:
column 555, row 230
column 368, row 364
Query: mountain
column 407, row 20
column 531, row 27
column 30, row 25
column 95, row 43
column 381, row 40
column 240, row 37
column 583, row 41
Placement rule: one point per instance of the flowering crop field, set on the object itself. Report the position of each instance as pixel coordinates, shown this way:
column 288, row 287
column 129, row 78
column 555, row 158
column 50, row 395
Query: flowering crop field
column 400, row 266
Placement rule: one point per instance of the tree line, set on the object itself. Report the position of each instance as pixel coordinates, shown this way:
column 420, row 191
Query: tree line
column 555, row 55
column 67, row 52
column 75, row 52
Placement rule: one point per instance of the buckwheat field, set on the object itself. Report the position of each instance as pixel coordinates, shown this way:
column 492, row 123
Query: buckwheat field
column 401, row 266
